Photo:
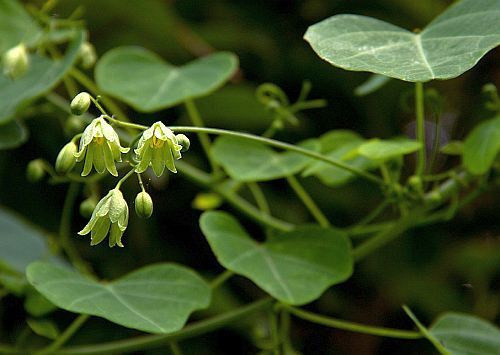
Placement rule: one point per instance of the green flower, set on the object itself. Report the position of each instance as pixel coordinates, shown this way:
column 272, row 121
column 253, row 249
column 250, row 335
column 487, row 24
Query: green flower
column 100, row 146
column 110, row 215
column 159, row 148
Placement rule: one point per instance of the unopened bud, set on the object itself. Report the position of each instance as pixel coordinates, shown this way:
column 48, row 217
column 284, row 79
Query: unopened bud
column 88, row 55
column 87, row 207
column 35, row 170
column 73, row 125
column 66, row 158
column 16, row 61
column 415, row 183
column 80, row 104
column 183, row 141
column 143, row 205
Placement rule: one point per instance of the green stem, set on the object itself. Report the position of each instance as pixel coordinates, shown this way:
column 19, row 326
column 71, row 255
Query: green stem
column 420, row 127
column 282, row 145
column 423, row 330
column 175, row 348
column 203, row 179
column 259, row 197
column 195, row 117
column 131, row 125
column 308, row 201
column 123, row 179
column 65, row 230
column 65, row 336
column 275, row 334
column 220, row 279
column 154, row 341
column 94, row 90
column 351, row 326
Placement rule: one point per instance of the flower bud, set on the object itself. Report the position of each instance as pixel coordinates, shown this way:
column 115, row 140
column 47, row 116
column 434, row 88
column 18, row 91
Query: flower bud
column 73, row 125
column 16, row 61
column 206, row 201
column 143, row 205
column 88, row 56
column 87, row 207
column 35, row 170
column 183, row 141
column 80, row 104
column 66, row 158
column 415, row 184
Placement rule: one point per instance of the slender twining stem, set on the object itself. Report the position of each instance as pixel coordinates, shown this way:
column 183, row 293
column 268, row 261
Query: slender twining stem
column 175, row 348
column 420, row 127
column 308, row 201
column 203, row 179
column 65, row 229
column 195, row 117
column 220, row 279
column 94, row 90
column 351, row 326
column 423, row 330
column 282, row 145
column 154, row 341
column 259, row 196
column 274, row 331
column 284, row 328
column 65, row 336
column 124, row 178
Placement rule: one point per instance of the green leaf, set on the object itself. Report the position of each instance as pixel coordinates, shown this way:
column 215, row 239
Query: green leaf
column 336, row 145
column 20, row 243
column 148, row 83
column 450, row 45
column 156, row 299
column 482, row 146
column 36, row 304
column 464, row 334
column 16, row 25
column 246, row 160
column 295, row 267
column 42, row 75
column 377, row 149
column 12, row 135
column 374, row 82
column 453, row 148
column 44, row 327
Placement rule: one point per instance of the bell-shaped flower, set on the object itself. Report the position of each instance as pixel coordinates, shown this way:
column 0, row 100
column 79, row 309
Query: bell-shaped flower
column 159, row 148
column 100, row 146
column 109, row 216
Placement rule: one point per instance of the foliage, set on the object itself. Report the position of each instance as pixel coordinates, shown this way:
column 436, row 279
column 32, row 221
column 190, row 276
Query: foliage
column 330, row 246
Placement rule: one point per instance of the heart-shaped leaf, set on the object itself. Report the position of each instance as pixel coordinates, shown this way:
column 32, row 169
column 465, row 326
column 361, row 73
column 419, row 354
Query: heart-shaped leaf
column 451, row 44
column 156, row 299
column 464, row 334
column 377, row 149
column 246, row 160
column 42, row 75
column 148, row 83
column 12, row 135
column 336, row 145
column 295, row 267
column 482, row 146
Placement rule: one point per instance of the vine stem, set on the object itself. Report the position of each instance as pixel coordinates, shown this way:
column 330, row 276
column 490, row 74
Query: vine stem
column 308, row 201
column 153, row 341
column 195, row 117
column 220, row 279
column 65, row 229
column 259, row 196
column 352, row 326
column 420, row 127
column 425, row 332
column 65, row 336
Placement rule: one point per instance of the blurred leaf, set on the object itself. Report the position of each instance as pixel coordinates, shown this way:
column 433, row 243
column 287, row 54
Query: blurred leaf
column 464, row 334
column 245, row 160
column 295, row 267
column 377, row 149
column 20, row 243
column 156, row 299
column 374, row 82
column 42, row 75
column 44, row 327
column 36, row 304
column 12, row 135
column 482, row 146
column 453, row 148
column 450, row 45
column 16, row 25
column 148, row 83
column 336, row 144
